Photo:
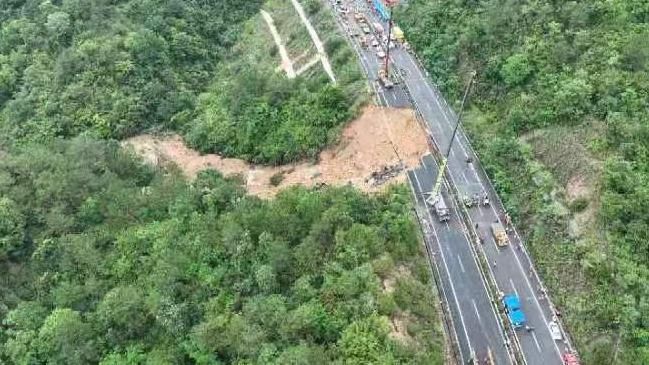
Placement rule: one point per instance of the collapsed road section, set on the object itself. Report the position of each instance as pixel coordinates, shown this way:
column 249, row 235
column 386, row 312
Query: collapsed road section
column 542, row 338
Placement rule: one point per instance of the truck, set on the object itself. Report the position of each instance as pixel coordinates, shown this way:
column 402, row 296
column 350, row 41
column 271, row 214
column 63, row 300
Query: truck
column 398, row 34
column 441, row 209
column 513, row 309
column 384, row 80
column 500, row 234
column 378, row 27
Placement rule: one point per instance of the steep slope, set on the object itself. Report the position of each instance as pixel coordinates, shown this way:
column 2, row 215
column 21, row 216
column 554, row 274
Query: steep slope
column 559, row 117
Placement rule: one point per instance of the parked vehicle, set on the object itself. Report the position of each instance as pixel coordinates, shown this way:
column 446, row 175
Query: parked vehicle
column 570, row 359
column 555, row 331
column 378, row 27
column 441, row 209
column 513, row 309
column 385, row 80
column 500, row 234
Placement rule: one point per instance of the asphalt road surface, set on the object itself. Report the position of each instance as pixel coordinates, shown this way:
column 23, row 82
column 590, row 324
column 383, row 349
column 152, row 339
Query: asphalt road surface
column 475, row 323
column 510, row 267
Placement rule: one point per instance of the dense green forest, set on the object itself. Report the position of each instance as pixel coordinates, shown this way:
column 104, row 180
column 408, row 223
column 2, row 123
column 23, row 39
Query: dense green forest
column 111, row 69
column 253, row 111
column 106, row 260
column 562, row 97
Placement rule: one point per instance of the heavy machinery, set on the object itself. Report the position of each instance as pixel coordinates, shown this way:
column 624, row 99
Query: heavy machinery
column 500, row 234
column 436, row 194
column 384, row 80
column 441, row 209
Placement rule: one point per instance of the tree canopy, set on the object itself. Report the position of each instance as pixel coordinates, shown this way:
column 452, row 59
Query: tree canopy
column 564, row 68
column 108, row 261
column 111, row 69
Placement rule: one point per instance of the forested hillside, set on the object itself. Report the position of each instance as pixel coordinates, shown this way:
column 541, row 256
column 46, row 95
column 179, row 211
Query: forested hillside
column 105, row 260
column 560, row 118
column 111, row 69
column 255, row 112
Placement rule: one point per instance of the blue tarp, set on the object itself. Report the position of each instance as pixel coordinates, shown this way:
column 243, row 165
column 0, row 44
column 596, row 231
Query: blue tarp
column 514, row 312
column 511, row 302
column 381, row 9
column 517, row 318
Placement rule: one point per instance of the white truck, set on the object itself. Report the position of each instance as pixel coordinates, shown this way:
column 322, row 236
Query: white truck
column 441, row 209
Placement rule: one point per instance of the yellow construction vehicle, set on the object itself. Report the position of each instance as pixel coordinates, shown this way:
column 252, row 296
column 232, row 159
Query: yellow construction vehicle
column 500, row 234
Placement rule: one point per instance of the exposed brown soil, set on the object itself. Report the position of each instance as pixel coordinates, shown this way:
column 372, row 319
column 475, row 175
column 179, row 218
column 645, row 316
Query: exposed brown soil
column 379, row 137
column 399, row 329
column 577, row 187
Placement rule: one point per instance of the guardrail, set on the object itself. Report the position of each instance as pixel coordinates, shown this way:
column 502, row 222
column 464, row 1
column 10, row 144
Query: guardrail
column 487, row 276
column 453, row 189
column 499, row 204
column 447, row 317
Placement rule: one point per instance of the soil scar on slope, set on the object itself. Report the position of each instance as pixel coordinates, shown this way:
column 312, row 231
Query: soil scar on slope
column 367, row 144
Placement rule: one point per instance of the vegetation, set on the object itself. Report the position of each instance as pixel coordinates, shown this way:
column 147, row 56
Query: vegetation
column 105, row 260
column 105, row 68
column 111, row 69
column 254, row 111
column 579, row 67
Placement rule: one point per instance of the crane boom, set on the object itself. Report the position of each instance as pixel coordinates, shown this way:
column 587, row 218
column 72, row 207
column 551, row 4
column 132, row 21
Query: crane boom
column 434, row 195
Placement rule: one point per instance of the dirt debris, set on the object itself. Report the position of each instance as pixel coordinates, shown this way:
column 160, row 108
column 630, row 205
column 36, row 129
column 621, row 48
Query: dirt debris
column 399, row 328
column 374, row 151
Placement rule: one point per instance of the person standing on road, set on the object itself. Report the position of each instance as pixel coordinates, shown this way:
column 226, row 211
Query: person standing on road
column 495, row 263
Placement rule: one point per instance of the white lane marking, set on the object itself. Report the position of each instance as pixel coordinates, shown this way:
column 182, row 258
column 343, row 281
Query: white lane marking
column 459, row 260
column 477, row 313
column 466, row 180
column 481, row 183
column 514, row 288
column 448, row 272
column 424, row 81
column 536, row 341
column 531, row 289
column 482, row 280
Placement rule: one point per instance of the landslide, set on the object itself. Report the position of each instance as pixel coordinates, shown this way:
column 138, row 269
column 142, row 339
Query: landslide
column 379, row 138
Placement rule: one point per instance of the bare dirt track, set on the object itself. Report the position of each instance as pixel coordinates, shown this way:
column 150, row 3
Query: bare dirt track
column 379, row 137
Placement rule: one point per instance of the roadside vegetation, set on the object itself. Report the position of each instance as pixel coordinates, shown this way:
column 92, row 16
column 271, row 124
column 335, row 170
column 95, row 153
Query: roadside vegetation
column 111, row 70
column 559, row 117
column 106, row 260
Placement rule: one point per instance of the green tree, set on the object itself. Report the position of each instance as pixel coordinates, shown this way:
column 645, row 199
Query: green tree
column 12, row 226
column 65, row 338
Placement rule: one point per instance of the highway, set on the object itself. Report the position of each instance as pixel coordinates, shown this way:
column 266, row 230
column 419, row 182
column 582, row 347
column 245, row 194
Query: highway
column 475, row 323
column 510, row 268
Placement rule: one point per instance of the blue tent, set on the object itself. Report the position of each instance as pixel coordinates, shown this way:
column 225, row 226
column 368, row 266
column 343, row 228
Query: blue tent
column 514, row 312
column 381, row 9
column 512, row 302
column 517, row 318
